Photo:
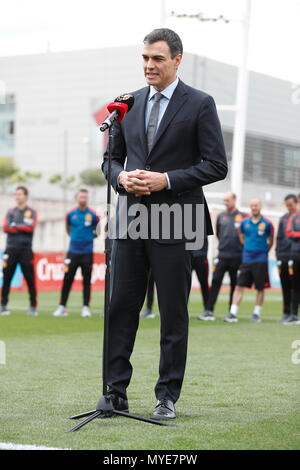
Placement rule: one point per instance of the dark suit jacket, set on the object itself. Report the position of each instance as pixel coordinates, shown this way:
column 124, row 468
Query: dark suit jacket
column 188, row 146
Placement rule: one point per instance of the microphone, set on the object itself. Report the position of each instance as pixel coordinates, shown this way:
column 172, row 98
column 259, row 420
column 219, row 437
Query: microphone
column 117, row 109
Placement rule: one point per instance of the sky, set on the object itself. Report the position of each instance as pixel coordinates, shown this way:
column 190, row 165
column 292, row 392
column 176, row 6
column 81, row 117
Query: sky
column 38, row 26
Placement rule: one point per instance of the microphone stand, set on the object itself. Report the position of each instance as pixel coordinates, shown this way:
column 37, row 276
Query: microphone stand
column 104, row 408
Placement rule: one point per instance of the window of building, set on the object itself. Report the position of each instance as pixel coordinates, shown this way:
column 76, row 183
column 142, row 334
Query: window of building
column 268, row 161
column 7, row 126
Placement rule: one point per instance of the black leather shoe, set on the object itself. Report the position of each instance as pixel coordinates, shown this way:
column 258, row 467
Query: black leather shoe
column 164, row 410
column 119, row 403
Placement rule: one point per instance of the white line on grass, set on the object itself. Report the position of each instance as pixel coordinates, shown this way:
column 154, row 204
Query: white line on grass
column 12, row 446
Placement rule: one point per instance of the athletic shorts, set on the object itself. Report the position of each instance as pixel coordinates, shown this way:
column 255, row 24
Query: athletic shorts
column 254, row 273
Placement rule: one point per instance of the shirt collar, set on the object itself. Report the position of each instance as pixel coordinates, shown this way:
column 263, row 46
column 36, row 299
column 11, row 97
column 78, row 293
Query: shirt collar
column 259, row 220
column 167, row 92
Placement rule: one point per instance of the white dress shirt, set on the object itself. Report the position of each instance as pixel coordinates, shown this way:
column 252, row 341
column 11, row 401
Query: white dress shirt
column 163, row 103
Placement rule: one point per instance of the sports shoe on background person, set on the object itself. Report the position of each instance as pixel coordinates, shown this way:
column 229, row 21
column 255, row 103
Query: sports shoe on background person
column 230, row 318
column 60, row 312
column 255, row 318
column 292, row 320
column 206, row 316
column 4, row 311
column 32, row 312
column 85, row 312
column 284, row 318
column 147, row 313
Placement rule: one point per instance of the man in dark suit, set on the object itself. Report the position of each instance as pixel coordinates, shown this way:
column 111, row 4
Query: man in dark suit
column 173, row 144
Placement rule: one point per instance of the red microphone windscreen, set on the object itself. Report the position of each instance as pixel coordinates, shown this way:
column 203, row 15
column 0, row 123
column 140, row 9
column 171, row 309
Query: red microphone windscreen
column 122, row 108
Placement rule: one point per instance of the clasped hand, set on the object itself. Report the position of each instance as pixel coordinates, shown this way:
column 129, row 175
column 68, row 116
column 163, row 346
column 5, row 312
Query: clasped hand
column 142, row 182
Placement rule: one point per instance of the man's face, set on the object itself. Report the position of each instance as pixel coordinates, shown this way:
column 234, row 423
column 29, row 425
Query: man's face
column 255, row 207
column 82, row 198
column 229, row 202
column 291, row 205
column 159, row 67
column 20, row 197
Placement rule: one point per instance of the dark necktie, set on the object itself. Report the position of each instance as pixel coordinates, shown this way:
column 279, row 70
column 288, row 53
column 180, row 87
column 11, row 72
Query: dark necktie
column 153, row 120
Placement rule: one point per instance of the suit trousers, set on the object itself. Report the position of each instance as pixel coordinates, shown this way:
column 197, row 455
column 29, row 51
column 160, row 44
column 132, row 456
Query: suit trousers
column 150, row 292
column 171, row 268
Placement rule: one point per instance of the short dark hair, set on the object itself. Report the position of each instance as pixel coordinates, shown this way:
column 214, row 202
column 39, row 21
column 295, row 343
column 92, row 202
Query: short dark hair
column 291, row 196
column 164, row 34
column 81, row 190
column 22, row 188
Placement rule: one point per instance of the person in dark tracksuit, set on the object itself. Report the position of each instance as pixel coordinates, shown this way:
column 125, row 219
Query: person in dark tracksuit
column 81, row 224
column 293, row 232
column 19, row 224
column 230, row 253
column 283, row 254
column 200, row 265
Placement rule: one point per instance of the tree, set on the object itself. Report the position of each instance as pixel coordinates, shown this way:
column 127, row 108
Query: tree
column 28, row 177
column 65, row 184
column 7, row 171
column 10, row 174
column 92, row 177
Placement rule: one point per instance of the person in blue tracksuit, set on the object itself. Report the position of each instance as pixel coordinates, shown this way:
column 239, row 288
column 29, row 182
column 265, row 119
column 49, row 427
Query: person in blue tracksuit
column 81, row 224
column 256, row 236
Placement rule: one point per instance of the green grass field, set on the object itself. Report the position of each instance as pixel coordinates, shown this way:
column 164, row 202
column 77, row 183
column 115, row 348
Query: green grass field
column 241, row 389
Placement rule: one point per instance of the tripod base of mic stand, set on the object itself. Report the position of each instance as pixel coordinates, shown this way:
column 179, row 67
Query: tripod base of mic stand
column 105, row 409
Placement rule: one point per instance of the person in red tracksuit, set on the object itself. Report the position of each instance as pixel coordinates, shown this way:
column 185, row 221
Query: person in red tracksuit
column 19, row 224
column 293, row 232
column 283, row 254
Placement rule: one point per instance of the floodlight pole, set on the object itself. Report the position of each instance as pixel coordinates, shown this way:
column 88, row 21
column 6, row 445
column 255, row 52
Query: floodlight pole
column 65, row 179
column 239, row 135
column 163, row 13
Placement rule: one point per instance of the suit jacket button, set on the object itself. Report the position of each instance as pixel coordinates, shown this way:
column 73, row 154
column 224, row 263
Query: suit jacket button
column 147, row 167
